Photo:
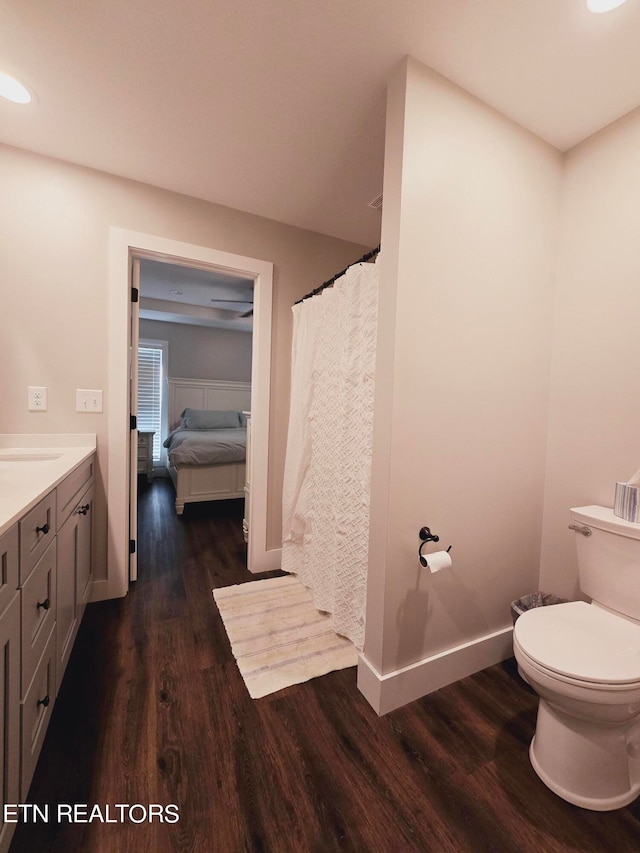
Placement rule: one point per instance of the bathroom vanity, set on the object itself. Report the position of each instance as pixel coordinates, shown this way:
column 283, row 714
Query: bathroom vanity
column 46, row 509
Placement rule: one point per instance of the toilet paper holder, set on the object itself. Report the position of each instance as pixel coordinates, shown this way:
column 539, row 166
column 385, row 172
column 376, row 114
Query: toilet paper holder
column 427, row 536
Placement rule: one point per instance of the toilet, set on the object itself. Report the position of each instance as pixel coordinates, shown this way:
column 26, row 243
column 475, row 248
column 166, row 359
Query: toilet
column 583, row 660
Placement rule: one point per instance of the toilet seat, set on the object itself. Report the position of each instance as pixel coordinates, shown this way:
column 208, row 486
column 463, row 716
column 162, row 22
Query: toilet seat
column 580, row 643
column 590, row 691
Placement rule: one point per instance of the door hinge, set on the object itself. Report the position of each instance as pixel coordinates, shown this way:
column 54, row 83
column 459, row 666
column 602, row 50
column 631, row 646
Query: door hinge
column 133, row 422
column 135, row 294
column 132, row 546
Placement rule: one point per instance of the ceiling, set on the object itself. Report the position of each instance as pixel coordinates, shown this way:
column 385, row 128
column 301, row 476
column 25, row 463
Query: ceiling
column 172, row 293
column 276, row 107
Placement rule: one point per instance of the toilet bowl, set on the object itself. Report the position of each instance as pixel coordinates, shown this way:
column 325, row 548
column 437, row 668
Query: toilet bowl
column 584, row 663
column 583, row 660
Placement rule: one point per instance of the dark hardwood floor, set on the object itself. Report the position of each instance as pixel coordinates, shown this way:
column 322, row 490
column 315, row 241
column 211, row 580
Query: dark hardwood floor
column 153, row 710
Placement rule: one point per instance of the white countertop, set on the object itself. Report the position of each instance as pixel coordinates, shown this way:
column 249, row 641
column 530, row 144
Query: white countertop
column 32, row 465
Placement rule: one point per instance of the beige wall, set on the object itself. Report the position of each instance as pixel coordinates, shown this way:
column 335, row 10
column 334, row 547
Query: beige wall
column 199, row 352
column 469, row 241
column 55, row 219
column 468, row 283
column 594, row 413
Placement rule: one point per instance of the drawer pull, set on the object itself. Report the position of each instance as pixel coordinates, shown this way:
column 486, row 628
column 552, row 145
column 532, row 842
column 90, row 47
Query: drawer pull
column 43, row 529
column 44, row 702
column 46, row 604
column 84, row 509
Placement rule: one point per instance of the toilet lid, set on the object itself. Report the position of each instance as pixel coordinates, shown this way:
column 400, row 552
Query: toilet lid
column 581, row 641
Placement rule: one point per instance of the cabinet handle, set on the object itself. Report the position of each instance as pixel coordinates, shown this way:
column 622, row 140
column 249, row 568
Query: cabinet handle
column 43, row 529
column 44, row 702
column 46, row 604
column 84, row 509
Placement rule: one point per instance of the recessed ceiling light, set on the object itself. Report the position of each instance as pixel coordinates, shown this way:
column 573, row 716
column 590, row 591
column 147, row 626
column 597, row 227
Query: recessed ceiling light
column 598, row 6
column 177, row 292
column 13, row 90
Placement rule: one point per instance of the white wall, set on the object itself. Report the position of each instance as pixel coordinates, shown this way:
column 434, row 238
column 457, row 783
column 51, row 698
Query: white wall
column 594, row 413
column 199, row 352
column 54, row 220
column 469, row 240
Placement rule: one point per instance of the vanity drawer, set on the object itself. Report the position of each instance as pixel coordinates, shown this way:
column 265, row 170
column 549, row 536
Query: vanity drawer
column 70, row 488
column 10, row 710
column 38, row 614
column 35, row 713
column 37, row 530
column 9, row 571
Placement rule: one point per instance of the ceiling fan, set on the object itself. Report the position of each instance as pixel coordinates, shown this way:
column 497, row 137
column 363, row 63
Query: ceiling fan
column 248, row 313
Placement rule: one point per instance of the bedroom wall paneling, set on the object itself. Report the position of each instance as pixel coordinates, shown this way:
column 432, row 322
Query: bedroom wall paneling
column 207, row 394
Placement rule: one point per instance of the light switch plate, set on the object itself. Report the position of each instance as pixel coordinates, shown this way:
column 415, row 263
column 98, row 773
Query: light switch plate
column 37, row 398
column 88, row 400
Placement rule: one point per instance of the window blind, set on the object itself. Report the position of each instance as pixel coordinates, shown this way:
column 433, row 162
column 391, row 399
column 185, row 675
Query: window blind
column 150, row 394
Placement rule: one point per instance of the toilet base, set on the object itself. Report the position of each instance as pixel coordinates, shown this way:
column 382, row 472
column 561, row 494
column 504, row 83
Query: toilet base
column 584, row 762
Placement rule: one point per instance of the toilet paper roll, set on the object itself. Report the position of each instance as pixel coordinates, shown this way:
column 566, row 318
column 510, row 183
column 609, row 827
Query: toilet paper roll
column 438, row 560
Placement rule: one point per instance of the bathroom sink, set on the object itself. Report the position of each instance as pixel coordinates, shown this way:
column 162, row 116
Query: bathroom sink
column 19, row 465
column 28, row 456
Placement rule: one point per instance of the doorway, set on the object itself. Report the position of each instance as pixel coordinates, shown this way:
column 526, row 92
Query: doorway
column 124, row 247
column 191, row 348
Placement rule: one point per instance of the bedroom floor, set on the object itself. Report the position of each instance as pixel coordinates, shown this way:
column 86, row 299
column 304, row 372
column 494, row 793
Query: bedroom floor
column 153, row 710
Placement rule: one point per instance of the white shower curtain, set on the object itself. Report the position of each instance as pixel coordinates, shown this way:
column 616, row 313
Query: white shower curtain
column 328, row 463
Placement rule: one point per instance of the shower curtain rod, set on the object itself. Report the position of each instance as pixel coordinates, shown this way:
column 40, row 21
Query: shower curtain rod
column 328, row 283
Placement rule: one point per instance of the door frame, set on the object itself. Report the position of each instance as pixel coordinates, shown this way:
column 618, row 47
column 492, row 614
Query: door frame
column 124, row 245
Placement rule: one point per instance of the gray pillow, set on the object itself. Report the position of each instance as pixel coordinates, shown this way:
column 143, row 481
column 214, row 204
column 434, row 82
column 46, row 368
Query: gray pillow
column 203, row 419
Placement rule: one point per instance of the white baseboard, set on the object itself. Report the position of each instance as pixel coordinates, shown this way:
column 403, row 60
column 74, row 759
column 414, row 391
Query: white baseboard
column 387, row 692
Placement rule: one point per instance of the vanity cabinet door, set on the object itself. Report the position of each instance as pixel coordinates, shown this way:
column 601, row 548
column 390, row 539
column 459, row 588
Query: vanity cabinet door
column 38, row 613
column 9, row 713
column 9, row 572
column 84, row 575
column 74, row 576
column 35, row 715
column 67, row 600
column 69, row 489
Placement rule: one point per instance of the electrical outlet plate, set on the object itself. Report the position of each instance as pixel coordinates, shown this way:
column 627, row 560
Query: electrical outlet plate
column 37, row 398
column 88, row 400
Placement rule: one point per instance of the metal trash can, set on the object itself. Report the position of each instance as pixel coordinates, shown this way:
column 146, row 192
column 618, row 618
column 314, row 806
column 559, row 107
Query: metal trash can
column 534, row 599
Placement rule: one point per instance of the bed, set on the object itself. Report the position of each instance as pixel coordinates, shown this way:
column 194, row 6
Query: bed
column 206, row 449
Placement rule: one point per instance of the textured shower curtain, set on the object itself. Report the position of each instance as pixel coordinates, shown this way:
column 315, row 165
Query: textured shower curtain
column 327, row 476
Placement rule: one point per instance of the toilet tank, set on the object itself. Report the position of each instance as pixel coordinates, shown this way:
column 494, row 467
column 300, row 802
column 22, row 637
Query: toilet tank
column 608, row 559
